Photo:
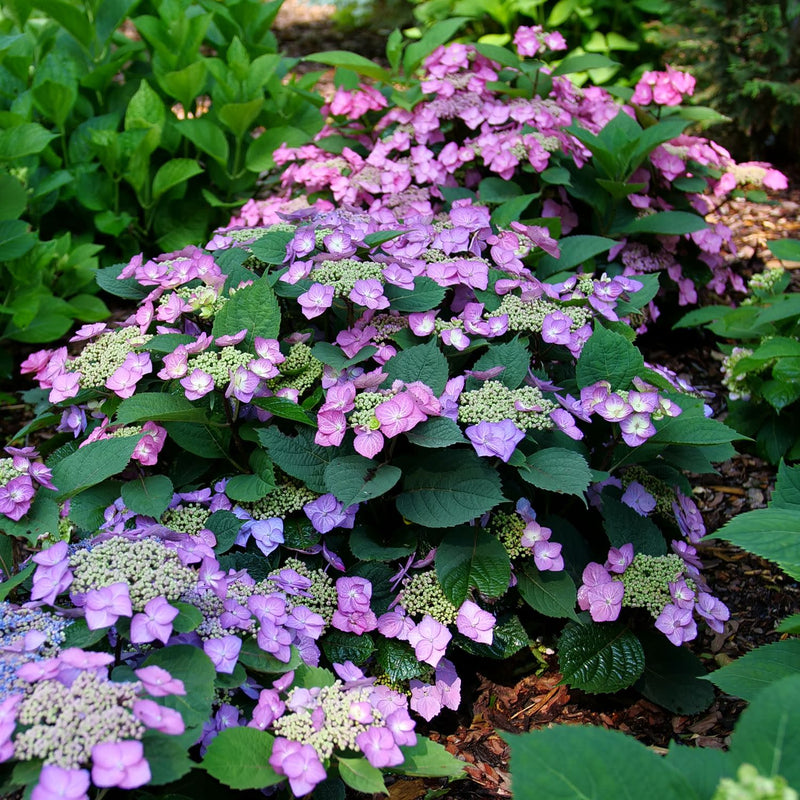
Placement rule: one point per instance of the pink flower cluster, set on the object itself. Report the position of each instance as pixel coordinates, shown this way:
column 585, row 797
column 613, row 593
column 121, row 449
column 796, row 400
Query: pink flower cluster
column 19, row 476
column 663, row 88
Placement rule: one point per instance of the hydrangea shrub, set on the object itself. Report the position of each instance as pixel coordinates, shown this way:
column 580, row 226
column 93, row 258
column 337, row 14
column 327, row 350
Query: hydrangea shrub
column 621, row 184
column 341, row 442
column 346, row 442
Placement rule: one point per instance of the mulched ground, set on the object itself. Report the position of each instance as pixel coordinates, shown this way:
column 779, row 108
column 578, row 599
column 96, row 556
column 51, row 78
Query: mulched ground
column 516, row 696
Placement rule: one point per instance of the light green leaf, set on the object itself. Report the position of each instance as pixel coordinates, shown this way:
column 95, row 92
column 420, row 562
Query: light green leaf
column 149, row 496
column 469, row 557
column 768, row 732
column 24, row 140
column 206, row 136
column 666, row 223
column 514, row 356
column 598, row 657
column 550, row 593
column 239, row 757
column 583, row 62
column 556, row 469
column 352, row 61
column 248, row 488
column 92, row 464
column 239, row 117
column 286, row 409
column 255, row 308
column 785, row 249
column 692, row 427
column 260, row 151
column 360, row 775
column 173, row 173
column 355, row 479
column 447, row 489
column 427, row 759
column 752, row 672
column 589, row 763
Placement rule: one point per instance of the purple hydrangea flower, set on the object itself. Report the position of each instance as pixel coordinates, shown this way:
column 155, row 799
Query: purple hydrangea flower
column 475, row 623
column 58, row 783
column 379, row 746
column 429, row 639
column 677, row 624
column 105, row 606
column 605, row 601
column 119, row 764
column 426, row 699
column 158, row 717
column 639, row 499
column 325, row 513
column 495, row 438
column 158, row 682
column 299, row 763
column 154, row 623
column 16, row 497
column 223, row 652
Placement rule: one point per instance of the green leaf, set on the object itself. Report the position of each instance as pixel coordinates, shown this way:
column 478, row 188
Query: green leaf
column 360, row 775
column 469, row 557
column 666, row 223
column 285, row 409
column 77, row 634
column 248, row 488
column 575, row 250
column 447, row 489
column 254, row 658
column 13, row 197
column 184, row 84
column 436, row 432
column 582, row 62
column 622, row 525
column 397, row 659
column 192, row 666
column 590, row 763
column 692, row 427
column 92, row 464
column 438, row 34
column 355, row 479
column 173, row 173
column 512, row 209
column 70, row 17
column 768, row 731
column 310, row 677
column 427, row 759
column 672, row 676
column 299, row 456
column 168, row 758
column 752, row 672
column 260, row 152
column 425, row 295
column 423, row 362
column 189, row 617
column 86, row 509
column 204, row 440
column 608, row 356
column 497, row 190
column 557, row 470
column 9, row 584
column 339, row 647
column 239, row 117
column 239, row 758
column 366, row 544
column 157, row 407
column 550, row 593
column 789, row 625
column 205, row 136
column 148, row 496
column 377, row 238
column 129, row 288
column 24, row 140
column 514, row 356
column 225, row 526
column 41, row 519
column 597, row 657
column 785, row 249
column 255, row 308
column 352, row 61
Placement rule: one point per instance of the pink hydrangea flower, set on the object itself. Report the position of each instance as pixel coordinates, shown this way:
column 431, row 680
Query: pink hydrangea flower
column 475, row 623
column 429, row 639
column 119, row 764
column 58, row 783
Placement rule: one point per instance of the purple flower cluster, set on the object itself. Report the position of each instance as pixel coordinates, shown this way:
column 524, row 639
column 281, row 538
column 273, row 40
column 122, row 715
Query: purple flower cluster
column 19, row 477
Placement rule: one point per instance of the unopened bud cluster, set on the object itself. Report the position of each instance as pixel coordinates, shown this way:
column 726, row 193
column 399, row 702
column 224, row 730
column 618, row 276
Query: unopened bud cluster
column 526, row 407
column 422, row 594
column 647, row 580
